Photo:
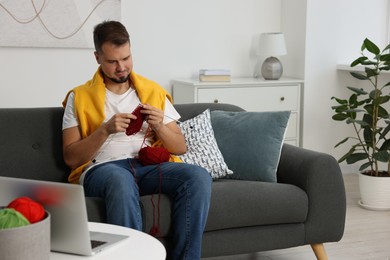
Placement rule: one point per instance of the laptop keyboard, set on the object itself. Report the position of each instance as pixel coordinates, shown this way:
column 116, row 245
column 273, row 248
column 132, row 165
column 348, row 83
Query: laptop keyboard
column 96, row 243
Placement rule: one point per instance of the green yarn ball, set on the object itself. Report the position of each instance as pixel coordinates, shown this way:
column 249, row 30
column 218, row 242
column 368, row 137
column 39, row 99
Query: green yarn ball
column 10, row 218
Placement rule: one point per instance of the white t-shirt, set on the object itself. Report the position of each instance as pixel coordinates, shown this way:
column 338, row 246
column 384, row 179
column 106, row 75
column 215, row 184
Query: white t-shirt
column 117, row 146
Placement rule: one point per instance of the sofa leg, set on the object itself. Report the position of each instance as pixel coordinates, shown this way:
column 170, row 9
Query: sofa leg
column 319, row 251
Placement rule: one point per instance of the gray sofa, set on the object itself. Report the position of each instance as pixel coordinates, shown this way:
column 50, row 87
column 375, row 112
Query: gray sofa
column 306, row 207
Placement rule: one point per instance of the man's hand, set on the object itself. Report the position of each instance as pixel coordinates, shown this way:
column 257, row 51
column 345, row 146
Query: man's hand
column 118, row 123
column 169, row 134
column 154, row 116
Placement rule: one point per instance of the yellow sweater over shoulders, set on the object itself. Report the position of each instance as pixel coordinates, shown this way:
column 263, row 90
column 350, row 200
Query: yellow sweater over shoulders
column 89, row 101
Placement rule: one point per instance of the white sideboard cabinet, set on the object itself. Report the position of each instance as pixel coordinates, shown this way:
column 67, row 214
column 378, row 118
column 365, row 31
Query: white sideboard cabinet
column 252, row 94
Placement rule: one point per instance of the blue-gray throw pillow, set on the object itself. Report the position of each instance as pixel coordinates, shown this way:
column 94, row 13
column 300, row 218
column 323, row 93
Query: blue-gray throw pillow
column 250, row 142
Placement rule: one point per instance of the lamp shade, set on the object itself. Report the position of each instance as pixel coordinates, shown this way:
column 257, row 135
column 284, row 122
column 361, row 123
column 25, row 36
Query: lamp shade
column 272, row 44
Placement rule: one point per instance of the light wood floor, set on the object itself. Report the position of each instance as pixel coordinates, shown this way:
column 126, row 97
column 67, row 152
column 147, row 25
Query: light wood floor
column 366, row 236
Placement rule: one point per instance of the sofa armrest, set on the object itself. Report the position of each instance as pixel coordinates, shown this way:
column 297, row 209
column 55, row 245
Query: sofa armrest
column 319, row 175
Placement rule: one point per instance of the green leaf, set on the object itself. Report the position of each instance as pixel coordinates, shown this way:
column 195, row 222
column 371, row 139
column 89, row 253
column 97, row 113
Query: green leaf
column 382, row 100
column 340, row 108
column 341, row 101
column 385, row 146
column 356, row 157
column 340, row 117
column 346, row 156
column 365, row 165
column 341, row 142
column 368, row 119
column 367, row 134
column 382, row 156
column 358, row 61
column 370, row 63
column 386, row 68
column 382, row 112
column 363, row 46
column 353, row 99
column 371, row 47
column 371, row 72
column 385, row 57
column 358, row 91
column 358, row 75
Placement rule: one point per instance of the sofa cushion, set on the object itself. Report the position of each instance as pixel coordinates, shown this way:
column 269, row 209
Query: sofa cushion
column 202, row 148
column 236, row 204
column 251, row 142
column 253, row 203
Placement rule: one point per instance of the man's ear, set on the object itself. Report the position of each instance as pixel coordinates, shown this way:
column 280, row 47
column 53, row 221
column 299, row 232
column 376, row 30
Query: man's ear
column 97, row 57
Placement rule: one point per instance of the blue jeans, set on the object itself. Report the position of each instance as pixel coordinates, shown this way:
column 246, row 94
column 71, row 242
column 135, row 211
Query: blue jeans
column 119, row 183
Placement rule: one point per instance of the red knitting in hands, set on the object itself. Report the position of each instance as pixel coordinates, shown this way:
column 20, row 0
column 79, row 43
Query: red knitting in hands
column 136, row 124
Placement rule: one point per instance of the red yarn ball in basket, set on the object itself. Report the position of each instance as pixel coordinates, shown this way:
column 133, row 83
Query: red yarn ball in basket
column 30, row 209
column 153, row 155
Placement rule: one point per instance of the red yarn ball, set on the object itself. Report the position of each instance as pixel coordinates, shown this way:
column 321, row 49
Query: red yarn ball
column 153, row 155
column 30, row 209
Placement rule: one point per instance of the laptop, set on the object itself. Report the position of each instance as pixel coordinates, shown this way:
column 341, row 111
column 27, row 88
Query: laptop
column 66, row 205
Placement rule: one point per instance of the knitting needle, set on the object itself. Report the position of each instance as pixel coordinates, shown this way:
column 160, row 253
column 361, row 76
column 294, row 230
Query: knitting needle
column 177, row 121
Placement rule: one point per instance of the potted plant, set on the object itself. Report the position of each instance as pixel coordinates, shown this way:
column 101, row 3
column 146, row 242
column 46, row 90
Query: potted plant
column 366, row 112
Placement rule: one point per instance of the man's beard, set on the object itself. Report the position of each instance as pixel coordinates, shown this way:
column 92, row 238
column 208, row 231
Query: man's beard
column 120, row 80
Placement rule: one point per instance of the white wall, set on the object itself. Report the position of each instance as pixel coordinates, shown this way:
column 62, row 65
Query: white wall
column 170, row 39
column 35, row 77
column 177, row 38
column 294, row 28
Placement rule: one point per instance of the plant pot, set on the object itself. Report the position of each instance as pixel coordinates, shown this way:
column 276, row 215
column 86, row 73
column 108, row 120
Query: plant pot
column 27, row 242
column 374, row 192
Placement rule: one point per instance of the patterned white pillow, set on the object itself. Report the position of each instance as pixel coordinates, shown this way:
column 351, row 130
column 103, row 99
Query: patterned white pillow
column 202, row 148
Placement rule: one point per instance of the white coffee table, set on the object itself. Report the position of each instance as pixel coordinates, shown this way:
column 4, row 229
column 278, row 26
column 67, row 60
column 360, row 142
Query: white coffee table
column 138, row 245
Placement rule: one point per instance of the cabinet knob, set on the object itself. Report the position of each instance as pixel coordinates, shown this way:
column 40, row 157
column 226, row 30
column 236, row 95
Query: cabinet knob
column 282, row 99
column 216, row 101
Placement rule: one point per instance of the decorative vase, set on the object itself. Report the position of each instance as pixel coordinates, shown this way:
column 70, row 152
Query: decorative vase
column 374, row 192
column 272, row 69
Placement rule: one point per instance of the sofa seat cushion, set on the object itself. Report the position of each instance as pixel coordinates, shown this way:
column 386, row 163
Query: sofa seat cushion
column 237, row 203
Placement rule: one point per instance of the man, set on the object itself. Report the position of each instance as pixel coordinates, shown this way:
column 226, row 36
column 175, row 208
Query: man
column 103, row 158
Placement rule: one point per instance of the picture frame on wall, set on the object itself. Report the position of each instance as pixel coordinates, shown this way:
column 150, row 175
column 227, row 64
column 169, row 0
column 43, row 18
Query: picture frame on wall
column 54, row 23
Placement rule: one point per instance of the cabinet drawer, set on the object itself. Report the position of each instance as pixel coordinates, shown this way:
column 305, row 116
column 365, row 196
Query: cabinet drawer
column 253, row 99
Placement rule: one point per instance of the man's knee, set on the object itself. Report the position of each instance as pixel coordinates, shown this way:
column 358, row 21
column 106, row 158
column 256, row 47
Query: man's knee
column 201, row 179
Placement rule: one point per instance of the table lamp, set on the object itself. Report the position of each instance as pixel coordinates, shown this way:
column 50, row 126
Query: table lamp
column 271, row 45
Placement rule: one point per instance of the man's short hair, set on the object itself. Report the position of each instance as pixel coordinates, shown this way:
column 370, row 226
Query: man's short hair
column 110, row 31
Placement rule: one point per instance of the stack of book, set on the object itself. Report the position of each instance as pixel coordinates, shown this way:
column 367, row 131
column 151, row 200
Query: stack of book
column 215, row 75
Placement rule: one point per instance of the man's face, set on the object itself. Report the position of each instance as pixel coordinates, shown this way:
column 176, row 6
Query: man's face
column 116, row 62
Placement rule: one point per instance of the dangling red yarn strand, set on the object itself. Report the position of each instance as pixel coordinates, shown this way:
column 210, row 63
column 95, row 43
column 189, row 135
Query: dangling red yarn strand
column 155, row 230
column 150, row 156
